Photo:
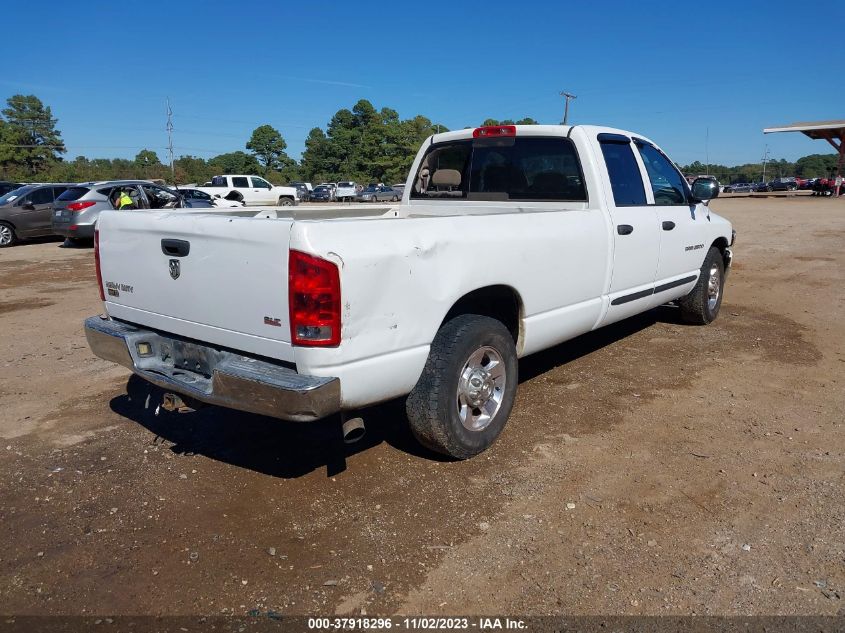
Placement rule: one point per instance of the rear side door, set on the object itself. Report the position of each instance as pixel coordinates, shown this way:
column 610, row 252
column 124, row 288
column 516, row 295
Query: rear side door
column 636, row 238
column 681, row 222
column 245, row 188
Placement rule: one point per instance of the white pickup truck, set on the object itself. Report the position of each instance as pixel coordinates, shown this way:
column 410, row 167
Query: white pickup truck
column 508, row 240
column 250, row 190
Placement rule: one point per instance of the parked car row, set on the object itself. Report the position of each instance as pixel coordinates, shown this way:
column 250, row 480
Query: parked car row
column 781, row 184
column 71, row 209
column 348, row 191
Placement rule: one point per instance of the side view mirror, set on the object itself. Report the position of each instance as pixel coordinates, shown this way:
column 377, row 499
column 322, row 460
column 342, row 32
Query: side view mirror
column 28, row 206
column 704, row 189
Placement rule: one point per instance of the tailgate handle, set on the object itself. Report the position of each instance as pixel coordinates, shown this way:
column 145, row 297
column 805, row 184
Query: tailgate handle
column 175, row 248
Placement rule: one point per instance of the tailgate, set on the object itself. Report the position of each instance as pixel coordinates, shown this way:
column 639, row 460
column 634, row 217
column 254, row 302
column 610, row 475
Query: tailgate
column 215, row 278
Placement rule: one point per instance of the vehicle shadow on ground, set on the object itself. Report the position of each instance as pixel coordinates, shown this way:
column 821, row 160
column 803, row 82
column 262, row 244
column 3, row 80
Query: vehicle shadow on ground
column 292, row 449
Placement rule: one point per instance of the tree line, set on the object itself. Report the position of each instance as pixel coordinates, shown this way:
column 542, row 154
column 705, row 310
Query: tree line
column 361, row 144
column 812, row 166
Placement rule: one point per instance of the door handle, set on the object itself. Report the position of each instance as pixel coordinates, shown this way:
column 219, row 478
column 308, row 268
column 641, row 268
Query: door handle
column 624, row 229
column 175, row 248
column 668, row 225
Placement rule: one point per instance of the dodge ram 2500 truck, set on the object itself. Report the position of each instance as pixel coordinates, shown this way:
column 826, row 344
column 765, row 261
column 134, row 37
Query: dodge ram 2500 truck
column 508, row 240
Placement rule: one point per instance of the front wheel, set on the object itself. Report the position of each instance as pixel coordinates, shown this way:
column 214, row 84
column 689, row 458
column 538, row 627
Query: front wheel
column 465, row 394
column 701, row 306
column 285, row 202
column 7, row 235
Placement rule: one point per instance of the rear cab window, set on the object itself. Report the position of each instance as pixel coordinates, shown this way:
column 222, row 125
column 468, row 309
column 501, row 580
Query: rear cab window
column 520, row 168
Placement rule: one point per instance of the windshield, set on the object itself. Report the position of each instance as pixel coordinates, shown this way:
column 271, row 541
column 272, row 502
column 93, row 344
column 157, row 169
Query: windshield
column 14, row 194
column 346, row 184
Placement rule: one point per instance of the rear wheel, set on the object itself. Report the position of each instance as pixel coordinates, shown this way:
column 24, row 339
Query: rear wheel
column 465, row 394
column 7, row 235
column 701, row 306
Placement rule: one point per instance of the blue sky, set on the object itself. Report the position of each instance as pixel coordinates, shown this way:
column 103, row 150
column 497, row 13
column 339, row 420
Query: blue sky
column 678, row 72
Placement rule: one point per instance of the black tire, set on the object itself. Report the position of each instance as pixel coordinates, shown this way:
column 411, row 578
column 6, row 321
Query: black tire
column 434, row 405
column 700, row 307
column 285, row 202
column 394, row 199
column 8, row 237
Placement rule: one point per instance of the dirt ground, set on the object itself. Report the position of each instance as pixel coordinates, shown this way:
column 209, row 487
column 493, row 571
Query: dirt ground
column 648, row 468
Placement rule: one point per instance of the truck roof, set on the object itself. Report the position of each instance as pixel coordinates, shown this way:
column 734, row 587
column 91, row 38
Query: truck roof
column 538, row 130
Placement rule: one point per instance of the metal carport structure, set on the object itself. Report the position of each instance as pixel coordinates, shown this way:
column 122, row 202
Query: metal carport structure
column 831, row 131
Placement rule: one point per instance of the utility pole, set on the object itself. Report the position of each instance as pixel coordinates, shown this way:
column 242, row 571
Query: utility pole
column 765, row 159
column 568, row 98
column 170, row 140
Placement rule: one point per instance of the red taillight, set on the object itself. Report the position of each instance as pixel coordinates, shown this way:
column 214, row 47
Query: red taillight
column 79, row 206
column 494, row 130
column 97, row 264
column 313, row 301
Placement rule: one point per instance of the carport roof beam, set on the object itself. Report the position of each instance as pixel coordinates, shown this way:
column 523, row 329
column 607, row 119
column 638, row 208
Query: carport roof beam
column 831, row 131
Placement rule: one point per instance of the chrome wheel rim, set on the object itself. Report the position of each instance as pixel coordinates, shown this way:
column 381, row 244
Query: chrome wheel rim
column 481, row 388
column 5, row 235
column 714, row 287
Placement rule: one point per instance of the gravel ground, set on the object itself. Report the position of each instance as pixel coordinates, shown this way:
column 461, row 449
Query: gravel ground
column 648, row 468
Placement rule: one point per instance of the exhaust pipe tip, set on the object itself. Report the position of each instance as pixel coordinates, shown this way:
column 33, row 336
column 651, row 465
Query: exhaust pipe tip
column 353, row 430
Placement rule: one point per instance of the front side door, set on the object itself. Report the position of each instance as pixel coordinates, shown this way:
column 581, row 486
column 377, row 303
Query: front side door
column 636, row 238
column 262, row 190
column 681, row 248
column 34, row 215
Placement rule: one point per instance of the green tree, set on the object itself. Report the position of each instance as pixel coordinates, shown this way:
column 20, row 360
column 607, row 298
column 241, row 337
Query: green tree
column 147, row 158
column 29, row 140
column 268, row 146
column 191, row 169
column 525, row 121
column 816, row 165
column 234, row 163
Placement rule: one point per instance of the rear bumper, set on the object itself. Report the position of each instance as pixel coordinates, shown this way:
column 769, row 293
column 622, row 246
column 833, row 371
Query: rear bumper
column 78, row 231
column 214, row 376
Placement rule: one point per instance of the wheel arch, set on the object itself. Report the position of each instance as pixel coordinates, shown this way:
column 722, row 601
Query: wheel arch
column 499, row 301
column 721, row 244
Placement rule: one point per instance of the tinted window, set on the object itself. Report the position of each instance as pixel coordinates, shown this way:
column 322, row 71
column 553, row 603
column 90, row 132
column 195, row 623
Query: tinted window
column 240, row 181
column 74, row 193
column 625, row 177
column 521, row 168
column 259, row 183
column 529, row 168
column 44, row 195
column 14, row 194
column 666, row 183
